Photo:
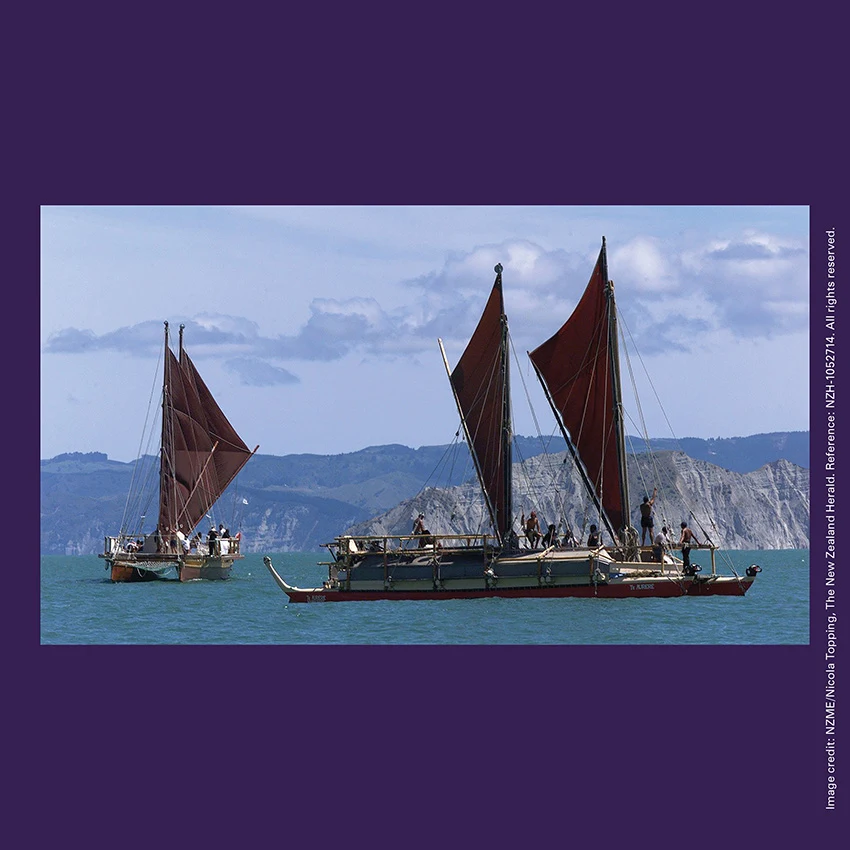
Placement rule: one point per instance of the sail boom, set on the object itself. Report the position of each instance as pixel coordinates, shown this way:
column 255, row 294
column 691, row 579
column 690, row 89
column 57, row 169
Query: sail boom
column 465, row 427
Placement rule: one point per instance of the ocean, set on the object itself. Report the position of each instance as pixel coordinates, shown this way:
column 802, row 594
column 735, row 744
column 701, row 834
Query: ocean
column 79, row 605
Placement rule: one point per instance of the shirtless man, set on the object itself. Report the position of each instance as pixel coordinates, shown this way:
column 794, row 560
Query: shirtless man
column 685, row 542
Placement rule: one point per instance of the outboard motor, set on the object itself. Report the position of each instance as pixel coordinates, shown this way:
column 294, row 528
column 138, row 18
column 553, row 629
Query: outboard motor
column 753, row 570
column 691, row 569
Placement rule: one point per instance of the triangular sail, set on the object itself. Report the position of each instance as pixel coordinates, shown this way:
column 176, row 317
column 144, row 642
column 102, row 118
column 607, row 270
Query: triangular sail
column 201, row 451
column 579, row 371
column 480, row 384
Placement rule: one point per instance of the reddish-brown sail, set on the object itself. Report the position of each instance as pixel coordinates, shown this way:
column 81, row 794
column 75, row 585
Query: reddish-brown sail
column 201, row 451
column 480, row 383
column 576, row 366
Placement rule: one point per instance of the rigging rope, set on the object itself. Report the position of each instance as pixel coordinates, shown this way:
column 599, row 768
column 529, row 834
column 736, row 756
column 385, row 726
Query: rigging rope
column 135, row 495
column 531, row 492
column 701, row 501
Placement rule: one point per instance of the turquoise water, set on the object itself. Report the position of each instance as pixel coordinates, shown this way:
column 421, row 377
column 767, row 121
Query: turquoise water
column 79, row 605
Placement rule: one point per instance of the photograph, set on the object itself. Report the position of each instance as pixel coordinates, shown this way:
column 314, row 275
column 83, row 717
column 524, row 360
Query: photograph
column 486, row 411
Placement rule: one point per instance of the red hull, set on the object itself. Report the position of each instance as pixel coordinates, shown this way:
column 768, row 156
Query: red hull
column 645, row 589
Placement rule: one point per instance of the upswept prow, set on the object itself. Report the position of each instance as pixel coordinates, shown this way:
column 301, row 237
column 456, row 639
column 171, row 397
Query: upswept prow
column 276, row 576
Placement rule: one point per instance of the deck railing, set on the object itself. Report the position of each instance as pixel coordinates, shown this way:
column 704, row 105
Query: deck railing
column 363, row 544
column 151, row 544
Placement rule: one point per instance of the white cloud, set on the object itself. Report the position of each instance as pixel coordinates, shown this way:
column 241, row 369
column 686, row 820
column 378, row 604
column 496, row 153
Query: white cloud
column 258, row 373
column 643, row 264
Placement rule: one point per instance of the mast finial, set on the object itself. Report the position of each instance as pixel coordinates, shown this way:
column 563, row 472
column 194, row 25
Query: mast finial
column 498, row 268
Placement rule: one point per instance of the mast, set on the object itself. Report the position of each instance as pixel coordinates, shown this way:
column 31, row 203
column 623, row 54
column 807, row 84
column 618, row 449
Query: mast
column 165, row 443
column 507, row 427
column 616, row 388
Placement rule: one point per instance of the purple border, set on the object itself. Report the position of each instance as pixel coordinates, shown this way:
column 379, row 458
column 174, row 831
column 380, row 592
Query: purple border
column 410, row 746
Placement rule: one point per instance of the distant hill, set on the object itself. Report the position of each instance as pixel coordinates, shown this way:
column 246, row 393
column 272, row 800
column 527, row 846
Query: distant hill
column 742, row 454
column 297, row 502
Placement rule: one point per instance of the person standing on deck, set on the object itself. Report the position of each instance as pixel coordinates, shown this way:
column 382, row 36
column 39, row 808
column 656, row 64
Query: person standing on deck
column 646, row 521
column 686, row 541
column 594, row 539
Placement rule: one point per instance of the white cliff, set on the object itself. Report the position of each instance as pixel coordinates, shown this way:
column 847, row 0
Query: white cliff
column 764, row 509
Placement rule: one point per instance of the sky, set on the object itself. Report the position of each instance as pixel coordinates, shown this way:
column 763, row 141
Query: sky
column 316, row 327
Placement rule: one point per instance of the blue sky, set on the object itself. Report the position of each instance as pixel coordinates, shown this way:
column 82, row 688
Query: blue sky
column 316, row 327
